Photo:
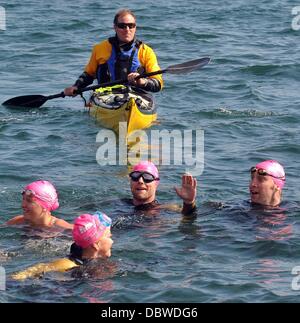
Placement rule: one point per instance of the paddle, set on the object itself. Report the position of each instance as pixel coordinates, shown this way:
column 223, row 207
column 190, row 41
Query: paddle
column 31, row 101
column 182, row 68
column 35, row 101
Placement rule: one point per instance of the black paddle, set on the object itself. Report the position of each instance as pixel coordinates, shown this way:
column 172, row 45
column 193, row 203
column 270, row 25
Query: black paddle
column 35, row 101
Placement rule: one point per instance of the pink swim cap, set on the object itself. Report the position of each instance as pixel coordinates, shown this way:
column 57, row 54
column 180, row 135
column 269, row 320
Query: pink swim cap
column 88, row 228
column 273, row 168
column 44, row 193
column 146, row 166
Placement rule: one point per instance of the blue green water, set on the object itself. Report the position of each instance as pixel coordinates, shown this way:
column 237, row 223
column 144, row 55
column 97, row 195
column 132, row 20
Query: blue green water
column 246, row 101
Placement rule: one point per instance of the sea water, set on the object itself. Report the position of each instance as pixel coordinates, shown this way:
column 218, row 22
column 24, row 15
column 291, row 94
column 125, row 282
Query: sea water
column 245, row 102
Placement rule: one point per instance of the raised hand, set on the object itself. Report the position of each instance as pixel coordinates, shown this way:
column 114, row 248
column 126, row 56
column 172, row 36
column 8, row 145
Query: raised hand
column 188, row 190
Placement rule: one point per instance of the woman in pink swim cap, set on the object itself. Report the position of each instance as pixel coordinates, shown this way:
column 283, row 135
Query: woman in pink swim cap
column 92, row 239
column 39, row 199
column 91, row 233
column 267, row 182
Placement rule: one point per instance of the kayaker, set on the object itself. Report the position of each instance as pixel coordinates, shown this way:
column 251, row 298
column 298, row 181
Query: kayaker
column 144, row 180
column 121, row 57
column 92, row 240
column 267, row 182
column 39, row 200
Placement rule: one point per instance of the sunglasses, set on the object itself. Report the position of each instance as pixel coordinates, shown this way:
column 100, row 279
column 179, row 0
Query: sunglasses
column 123, row 25
column 263, row 172
column 147, row 178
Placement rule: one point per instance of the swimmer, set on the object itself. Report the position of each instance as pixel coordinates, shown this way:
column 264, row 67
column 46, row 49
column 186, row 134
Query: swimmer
column 39, row 199
column 267, row 182
column 144, row 181
column 92, row 239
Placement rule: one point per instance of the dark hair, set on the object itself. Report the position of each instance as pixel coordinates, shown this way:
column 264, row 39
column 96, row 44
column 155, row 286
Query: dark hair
column 123, row 12
column 75, row 251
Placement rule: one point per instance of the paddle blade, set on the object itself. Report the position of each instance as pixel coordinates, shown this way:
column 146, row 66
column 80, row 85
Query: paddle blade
column 188, row 66
column 27, row 101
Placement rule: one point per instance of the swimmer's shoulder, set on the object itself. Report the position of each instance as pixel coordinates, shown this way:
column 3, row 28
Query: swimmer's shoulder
column 61, row 223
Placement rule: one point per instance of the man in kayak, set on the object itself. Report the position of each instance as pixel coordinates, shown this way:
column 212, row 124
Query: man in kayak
column 267, row 182
column 121, row 57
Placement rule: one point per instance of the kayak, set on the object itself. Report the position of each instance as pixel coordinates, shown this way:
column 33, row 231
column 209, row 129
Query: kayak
column 111, row 105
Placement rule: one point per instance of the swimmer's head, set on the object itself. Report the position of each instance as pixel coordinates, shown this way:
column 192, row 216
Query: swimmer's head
column 146, row 167
column 273, row 169
column 44, row 193
column 89, row 229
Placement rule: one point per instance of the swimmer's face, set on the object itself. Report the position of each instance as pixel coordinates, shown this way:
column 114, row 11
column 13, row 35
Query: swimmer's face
column 263, row 190
column 143, row 192
column 31, row 209
column 104, row 245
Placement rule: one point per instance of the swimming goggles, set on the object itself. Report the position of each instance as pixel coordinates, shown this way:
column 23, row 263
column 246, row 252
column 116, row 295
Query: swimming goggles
column 148, row 178
column 263, row 172
column 33, row 193
column 103, row 218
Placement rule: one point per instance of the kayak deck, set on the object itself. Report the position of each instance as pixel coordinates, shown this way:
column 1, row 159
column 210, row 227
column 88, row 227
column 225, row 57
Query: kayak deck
column 110, row 106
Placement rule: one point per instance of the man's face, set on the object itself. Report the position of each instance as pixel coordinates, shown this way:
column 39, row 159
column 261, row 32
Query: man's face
column 126, row 34
column 263, row 190
column 143, row 192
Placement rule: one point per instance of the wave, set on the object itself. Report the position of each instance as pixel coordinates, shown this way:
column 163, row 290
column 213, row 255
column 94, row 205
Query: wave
column 225, row 112
column 271, row 69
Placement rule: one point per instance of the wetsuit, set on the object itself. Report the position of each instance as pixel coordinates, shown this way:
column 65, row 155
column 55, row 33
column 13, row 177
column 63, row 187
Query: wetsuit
column 60, row 265
column 74, row 261
column 146, row 212
column 187, row 209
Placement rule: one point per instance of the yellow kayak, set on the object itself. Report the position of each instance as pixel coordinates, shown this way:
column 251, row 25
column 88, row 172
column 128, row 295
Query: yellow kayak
column 111, row 105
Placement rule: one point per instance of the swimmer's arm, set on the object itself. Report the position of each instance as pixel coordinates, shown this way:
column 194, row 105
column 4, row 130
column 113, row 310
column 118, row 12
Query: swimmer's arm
column 170, row 207
column 187, row 192
column 189, row 209
column 59, row 265
column 19, row 219
column 63, row 224
column 186, row 210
